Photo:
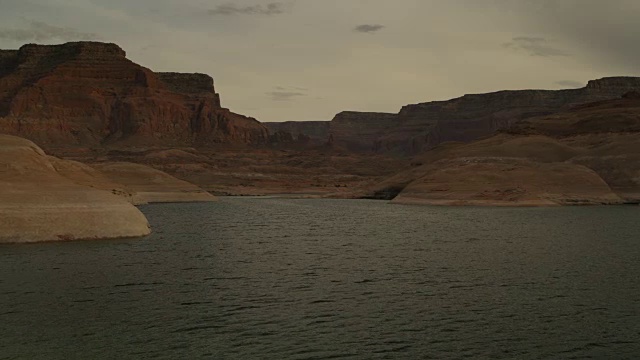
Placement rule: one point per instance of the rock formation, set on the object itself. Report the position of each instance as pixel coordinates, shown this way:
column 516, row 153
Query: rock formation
column 88, row 102
column 421, row 127
column 139, row 184
column 39, row 204
column 152, row 186
column 258, row 171
column 586, row 155
column 90, row 94
column 85, row 175
column 312, row 133
column 360, row 132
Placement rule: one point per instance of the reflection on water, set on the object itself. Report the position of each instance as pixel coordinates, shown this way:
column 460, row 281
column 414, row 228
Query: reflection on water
column 315, row 279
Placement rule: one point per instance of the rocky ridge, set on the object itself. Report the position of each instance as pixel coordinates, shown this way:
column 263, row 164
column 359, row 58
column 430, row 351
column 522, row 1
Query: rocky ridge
column 39, row 203
column 589, row 154
column 420, row 127
column 308, row 133
column 90, row 94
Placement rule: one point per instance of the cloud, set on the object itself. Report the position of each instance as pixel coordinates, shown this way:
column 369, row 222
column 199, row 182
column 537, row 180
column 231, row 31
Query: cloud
column 603, row 34
column 40, row 31
column 534, row 46
column 274, row 8
column 570, row 83
column 368, row 28
column 282, row 93
column 284, row 88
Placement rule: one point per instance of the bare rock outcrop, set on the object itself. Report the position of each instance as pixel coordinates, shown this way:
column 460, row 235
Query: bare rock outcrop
column 89, row 94
column 39, row 204
column 420, row 127
column 507, row 182
column 150, row 185
column 311, row 133
column 589, row 154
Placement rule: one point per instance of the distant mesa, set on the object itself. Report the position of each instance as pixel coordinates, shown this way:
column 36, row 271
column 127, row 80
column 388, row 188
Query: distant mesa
column 420, row 127
column 301, row 132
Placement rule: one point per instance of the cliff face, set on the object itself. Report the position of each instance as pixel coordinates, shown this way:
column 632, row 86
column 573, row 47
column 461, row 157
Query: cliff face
column 420, row 127
column 589, row 154
column 301, row 132
column 191, row 84
column 349, row 131
column 86, row 94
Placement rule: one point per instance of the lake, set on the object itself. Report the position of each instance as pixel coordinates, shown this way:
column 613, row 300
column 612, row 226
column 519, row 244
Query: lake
column 269, row 278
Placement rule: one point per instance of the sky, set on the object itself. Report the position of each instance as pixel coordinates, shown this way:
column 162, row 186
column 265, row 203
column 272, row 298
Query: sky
column 295, row 60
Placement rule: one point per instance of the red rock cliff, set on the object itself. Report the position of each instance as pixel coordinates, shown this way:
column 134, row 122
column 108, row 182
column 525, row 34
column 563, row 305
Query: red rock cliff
column 423, row 126
column 301, row 132
column 87, row 93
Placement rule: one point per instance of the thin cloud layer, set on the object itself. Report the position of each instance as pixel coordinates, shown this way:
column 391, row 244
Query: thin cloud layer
column 534, row 46
column 282, row 93
column 274, row 8
column 603, row 33
column 40, row 31
column 283, row 88
column 368, row 28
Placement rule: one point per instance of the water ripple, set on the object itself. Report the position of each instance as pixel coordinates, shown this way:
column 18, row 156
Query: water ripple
column 326, row 279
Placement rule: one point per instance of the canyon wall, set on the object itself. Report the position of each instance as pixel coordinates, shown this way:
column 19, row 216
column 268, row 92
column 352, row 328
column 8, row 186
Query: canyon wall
column 420, row 127
column 589, row 154
column 90, row 94
column 301, row 132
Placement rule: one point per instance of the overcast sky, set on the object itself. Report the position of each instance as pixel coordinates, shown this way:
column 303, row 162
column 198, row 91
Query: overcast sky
column 310, row 59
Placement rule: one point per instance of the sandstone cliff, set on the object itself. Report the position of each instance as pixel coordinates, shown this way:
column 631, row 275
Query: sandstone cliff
column 420, row 127
column 88, row 94
column 39, row 204
column 301, row 132
column 586, row 155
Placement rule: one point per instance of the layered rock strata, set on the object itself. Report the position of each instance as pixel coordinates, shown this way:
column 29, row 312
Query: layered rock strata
column 38, row 204
column 586, row 155
column 90, row 94
column 421, row 127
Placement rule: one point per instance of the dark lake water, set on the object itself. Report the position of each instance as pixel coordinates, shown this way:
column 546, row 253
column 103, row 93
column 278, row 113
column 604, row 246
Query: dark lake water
column 322, row 279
